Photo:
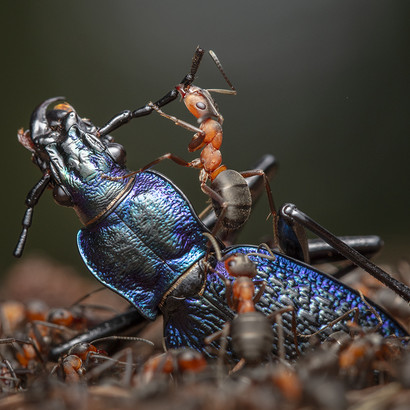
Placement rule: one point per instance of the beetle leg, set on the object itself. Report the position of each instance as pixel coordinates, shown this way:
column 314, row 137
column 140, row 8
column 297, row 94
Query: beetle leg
column 126, row 116
column 261, row 173
column 291, row 213
column 126, row 320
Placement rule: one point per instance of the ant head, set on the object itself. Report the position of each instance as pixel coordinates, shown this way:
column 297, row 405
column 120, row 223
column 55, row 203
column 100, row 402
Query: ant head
column 199, row 102
column 239, row 264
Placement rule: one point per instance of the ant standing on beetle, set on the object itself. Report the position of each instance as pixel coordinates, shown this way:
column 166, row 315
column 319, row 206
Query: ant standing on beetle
column 251, row 331
column 229, row 192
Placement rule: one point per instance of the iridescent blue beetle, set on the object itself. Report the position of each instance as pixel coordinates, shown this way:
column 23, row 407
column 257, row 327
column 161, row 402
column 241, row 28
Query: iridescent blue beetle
column 142, row 238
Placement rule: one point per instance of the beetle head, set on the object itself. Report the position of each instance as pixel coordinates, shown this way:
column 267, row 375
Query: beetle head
column 48, row 126
column 52, row 126
column 50, row 139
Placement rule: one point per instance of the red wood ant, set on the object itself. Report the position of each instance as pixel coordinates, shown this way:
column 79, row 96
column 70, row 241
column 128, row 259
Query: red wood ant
column 231, row 198
column 74, row 366
column 251, row 331
column 174, row 361
column 230, row 194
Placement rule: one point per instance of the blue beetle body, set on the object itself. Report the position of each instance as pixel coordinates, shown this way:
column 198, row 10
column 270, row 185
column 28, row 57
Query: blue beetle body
column 143, row 240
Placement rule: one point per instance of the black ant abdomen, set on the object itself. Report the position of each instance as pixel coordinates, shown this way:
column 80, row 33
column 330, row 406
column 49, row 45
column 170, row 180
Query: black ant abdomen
column 252, row 336
column 234, row 190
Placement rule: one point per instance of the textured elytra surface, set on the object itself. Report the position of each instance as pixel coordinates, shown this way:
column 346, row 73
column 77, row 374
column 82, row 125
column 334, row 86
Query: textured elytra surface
column 316, row 380
column 316, row 298
column 145, row 243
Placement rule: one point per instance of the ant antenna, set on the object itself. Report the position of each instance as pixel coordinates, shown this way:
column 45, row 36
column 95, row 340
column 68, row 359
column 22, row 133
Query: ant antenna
column 215, row 245
column 196, row 60
column 220, row 68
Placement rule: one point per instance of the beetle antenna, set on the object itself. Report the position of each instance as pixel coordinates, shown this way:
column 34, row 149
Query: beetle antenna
column 31, row 201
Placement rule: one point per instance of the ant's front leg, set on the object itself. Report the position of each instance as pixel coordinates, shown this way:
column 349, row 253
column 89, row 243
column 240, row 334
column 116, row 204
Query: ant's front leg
column 228, row 290
column 172, row 157
column 176, row 120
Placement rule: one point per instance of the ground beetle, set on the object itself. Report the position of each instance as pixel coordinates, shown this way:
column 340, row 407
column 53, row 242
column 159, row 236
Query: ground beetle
column 144, row 241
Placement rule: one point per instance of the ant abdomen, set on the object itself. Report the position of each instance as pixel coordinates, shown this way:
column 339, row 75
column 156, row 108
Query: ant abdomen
column 252, row 336
column 234, row 190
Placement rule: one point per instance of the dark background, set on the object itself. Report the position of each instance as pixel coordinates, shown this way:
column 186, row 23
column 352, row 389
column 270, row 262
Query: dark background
column 322, row 85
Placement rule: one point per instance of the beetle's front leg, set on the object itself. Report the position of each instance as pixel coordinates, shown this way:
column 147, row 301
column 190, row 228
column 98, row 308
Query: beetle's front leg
column 126, row 116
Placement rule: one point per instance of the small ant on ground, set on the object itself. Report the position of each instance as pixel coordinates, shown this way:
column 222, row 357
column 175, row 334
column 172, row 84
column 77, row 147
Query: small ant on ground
column 175, row 361
column 85, row 361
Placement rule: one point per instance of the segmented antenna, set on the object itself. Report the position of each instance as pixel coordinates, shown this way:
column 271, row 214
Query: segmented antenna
column 220, row 68
column 196, row 61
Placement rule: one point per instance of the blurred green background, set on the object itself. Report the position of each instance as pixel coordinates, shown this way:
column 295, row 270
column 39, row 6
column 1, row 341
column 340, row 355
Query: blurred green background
column 323, row 85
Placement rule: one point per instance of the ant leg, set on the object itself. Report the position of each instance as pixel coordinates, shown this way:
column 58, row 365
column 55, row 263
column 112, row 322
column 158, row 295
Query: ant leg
column 20, row 354
column 111, row 361
column 334, row 322
column 31, row 201
column 227, row 282
column 13, row 379
column 176, row 120
column 279, row 313
column 261, row 290
column 223, row 335
column 260, row 172
column 192, row 164
column 290, row 212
